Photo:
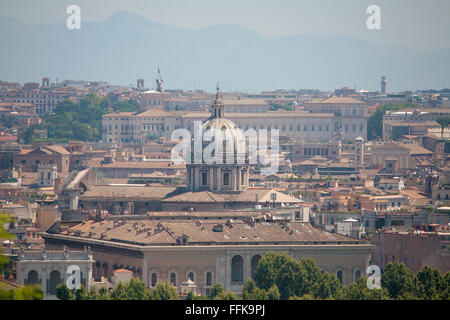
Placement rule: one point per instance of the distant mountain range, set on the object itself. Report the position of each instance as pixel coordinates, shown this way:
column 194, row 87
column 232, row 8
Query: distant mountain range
column 127, row 46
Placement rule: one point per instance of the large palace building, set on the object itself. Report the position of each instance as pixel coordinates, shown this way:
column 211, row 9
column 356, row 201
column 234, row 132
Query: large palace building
column 320, row 121
column 208, row 249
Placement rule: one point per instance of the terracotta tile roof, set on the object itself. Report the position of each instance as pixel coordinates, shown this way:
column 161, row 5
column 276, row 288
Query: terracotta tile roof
column 167, row 232
column 334, row 99
column 160, row 164
column 249, row 195
column 248, row 102
column 126, row 192
column 156, row 112
column 118, row 114
column 57, row 149
column 416, row 149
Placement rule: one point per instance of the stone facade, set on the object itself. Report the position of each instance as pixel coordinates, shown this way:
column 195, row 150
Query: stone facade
column 229, row 265
column 49, row 268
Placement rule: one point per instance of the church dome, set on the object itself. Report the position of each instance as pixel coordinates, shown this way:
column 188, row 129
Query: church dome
column 224, row 161
column 231, row 134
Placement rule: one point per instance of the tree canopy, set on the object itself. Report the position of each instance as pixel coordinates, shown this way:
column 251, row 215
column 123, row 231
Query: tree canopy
column 126, row 106
column 375, row 121
column 72, row 121
column 294, row 278
column 444, row 122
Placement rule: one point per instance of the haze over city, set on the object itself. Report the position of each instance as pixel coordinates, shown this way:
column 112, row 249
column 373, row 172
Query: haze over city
column 247, row 45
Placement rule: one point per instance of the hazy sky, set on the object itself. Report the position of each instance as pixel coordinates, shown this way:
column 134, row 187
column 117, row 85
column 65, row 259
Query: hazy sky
column 419, row 24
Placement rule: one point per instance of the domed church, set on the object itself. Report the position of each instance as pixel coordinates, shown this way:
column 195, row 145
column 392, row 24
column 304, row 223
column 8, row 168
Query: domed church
column 224, row 170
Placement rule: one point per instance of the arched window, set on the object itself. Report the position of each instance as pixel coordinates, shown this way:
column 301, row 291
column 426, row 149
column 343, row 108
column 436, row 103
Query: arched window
column 208, row 278
column 33, row 277
column 254, row 264
column 173, row 278
column 340, row 276
column 55, row 279
column 190, row 276
column 237, row 269
column 154, row 279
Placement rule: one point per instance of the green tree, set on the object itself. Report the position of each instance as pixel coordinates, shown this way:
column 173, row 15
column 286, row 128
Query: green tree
column 281, row 270
column 375, row 121
column 72, row 121
column 328, row 286
column 4, row 219
column 137, row 290
column 429, row 284
column 273, row 293
column 164, row 291
column 31, row 292
column 126, row 106
column 192, row 296
column 103, row 294
column 444, row 122
column 93, row 294
column 251, row 292
column 119, row 292
column 397, row 279
column 229, row 295
column 80, row 293
column 294, row 278
column 304, row 297
column 216, row 290
column 359, row 291
column 63, row 292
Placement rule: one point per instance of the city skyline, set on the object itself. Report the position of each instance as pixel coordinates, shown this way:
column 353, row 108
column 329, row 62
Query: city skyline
column 227, row 53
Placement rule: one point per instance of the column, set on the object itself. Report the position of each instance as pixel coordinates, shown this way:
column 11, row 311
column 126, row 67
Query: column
column 144, row 270
column 219, row 178
column 248, row 266
column 197, row 178
column 238, row 177
column 44, row 280
column 233, row 179
column 211, row 178
column 227, row 279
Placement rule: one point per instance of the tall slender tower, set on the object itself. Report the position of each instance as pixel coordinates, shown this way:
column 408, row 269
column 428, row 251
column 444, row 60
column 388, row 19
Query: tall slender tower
column 159, row 82
column 383, row 85
column 359, row 152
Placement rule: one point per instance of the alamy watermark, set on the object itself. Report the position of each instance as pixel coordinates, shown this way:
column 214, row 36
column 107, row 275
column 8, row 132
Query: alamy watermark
column 73, row 277
column 73, row 22
column 223, row 146
column 373, row 22
column 374, row 279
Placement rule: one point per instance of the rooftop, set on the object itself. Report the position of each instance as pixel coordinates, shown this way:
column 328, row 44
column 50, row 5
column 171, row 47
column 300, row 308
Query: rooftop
column 215, row 232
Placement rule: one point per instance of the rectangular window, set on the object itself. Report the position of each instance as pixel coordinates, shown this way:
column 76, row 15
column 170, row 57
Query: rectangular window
column 204, row 178
column 226, row 179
